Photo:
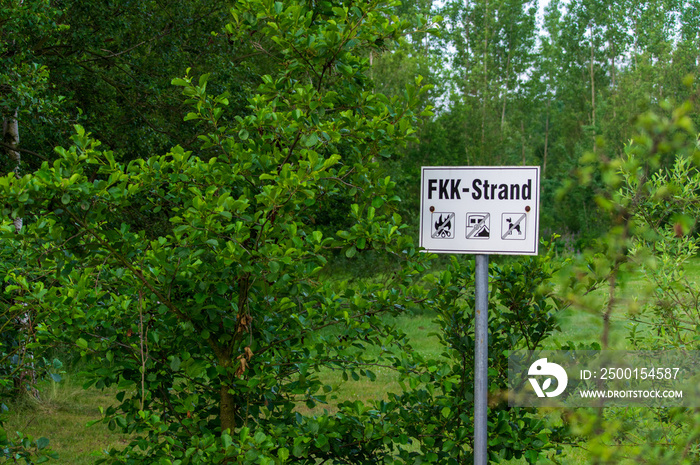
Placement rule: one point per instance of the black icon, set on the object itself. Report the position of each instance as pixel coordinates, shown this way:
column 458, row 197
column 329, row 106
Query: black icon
column 513, row 226
column 478, row 225
column 443, row 225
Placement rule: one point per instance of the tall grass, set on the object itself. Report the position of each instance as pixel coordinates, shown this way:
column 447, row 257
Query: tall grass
column 61, row 414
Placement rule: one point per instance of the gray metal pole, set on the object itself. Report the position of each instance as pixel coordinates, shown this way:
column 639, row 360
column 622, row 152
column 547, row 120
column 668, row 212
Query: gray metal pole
column 481, row 357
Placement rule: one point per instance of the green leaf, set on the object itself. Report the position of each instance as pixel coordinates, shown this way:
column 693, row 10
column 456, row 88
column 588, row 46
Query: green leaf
column 42, row 443
column 311, row 140
column 82, row 343
column 222, row 288
column 203, row 79
column 448, row 446
column 531, row 456
column 65, row 199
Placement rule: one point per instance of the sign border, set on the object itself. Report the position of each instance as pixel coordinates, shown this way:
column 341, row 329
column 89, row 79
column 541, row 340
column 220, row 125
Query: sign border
column 536, row 226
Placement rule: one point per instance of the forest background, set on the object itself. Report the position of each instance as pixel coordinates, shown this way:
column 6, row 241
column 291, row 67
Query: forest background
column 512, row 82
column 359, row 96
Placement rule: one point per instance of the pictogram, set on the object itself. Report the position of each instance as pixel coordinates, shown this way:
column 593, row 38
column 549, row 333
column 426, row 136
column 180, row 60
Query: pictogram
column 443, row 224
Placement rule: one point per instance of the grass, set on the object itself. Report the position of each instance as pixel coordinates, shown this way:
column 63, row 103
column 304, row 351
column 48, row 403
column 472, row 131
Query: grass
column 62, row 415
column 580, row 327
column 421, row 331
column 65, row 408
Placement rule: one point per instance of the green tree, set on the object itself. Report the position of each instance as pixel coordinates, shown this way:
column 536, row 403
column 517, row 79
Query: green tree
column 216, row 324
column 25, row 99
column 111, row 66
column 437, row 407
column 25, row 96
column 492, row 42
column 653, row 213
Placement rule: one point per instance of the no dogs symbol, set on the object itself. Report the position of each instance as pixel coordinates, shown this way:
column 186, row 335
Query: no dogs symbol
column 513, row 226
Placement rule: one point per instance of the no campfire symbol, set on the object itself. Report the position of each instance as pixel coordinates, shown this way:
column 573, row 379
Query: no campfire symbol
column 443, row 225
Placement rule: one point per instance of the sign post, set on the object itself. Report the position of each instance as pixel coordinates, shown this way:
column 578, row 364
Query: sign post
column 481, row 357
column 481, row 211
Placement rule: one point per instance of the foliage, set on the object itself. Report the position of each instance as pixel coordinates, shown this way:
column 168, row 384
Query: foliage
column 200, row 282
column 215, row 325
column 24, row 77
column 24, row 448
column 437, row 406
column 670, row 317
column 109, row 67
column 24, row 96
column 544, row 84
column 654, row 210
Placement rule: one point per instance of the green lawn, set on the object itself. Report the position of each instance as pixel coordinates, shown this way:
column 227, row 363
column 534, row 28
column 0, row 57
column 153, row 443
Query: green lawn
column 62, row 415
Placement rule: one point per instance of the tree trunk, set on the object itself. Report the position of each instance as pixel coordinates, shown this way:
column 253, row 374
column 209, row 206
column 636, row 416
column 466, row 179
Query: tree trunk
column 612, row 71
column 467, row 83
column 25, row 382
column 466, row 141
column 505, row 95
column 224, row 355
column 546, row 142
column 10, row 137
column 592, row 73
column 522, row 138
column 486, row 81
column 227, row 409
column 505, row 92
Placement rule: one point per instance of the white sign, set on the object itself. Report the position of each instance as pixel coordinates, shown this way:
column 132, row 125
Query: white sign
column 480, row 210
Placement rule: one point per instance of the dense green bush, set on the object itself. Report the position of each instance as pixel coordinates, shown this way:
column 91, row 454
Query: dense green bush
column 437, row 404
column 651, row 196
column 212, row 325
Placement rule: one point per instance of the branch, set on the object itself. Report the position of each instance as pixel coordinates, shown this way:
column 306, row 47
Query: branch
column 105, row 57
column 10, row 147
column 329, row 63
column 291, row 149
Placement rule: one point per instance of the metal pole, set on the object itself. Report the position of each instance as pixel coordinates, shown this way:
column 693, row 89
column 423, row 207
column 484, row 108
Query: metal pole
column 481, row 357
